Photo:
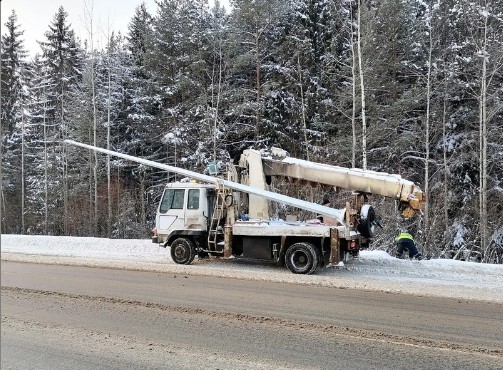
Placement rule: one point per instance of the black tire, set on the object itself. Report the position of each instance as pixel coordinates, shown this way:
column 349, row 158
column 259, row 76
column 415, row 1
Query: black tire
column 302, row 258
column 183, row 251
column 367, row 221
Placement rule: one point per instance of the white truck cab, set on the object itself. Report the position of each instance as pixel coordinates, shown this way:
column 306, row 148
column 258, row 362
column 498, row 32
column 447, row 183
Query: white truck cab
column 183, row 210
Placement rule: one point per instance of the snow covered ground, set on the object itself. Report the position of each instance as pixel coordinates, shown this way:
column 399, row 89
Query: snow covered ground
column 374, row 270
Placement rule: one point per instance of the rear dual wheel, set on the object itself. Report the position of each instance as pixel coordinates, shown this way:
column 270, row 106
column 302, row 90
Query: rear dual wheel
column 302, row 258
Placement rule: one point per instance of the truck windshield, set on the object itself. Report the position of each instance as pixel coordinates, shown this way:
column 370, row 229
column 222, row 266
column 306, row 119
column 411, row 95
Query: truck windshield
column 172, row 199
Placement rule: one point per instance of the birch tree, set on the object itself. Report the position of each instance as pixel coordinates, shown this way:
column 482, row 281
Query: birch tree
column 489, row 50
column 362, row 88
column 89, row 20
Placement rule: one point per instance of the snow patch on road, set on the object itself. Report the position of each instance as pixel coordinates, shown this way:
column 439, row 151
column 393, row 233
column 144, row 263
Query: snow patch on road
column 374, row 270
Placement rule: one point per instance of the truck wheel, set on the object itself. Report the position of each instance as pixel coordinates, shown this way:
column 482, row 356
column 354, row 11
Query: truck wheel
column 367, row 222
column 302, row 258
column 183, row 251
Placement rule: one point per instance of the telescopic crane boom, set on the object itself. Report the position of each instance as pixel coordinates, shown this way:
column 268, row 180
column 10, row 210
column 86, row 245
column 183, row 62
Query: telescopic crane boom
column 278, row 163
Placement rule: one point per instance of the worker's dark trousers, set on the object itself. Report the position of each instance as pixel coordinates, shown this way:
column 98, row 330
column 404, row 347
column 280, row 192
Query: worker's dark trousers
column 409, row 245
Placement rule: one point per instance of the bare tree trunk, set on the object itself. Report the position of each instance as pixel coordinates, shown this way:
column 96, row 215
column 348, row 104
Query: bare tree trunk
column 143, row 203
column 2, row 197
column 95, row 154
column 257, row 78
column 353, row 76
column 90, row 222
column 447, row 231
column 89, row 15
column 65, row 165
column 427, row 142
column 46, row 171
column 483, row 145
column 109, row 180
column 119, row 227
column 219, row 92
column 22, row 173
column 109, row 108
column 95, row 177
column 304, row 123
column 362, row 88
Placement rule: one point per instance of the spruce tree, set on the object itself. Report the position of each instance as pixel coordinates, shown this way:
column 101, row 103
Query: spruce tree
column 14, row 117
column 13, row 55
column 63, row 56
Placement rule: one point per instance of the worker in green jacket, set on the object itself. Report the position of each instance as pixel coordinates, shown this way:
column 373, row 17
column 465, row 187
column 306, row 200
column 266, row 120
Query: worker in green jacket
column 405, row 240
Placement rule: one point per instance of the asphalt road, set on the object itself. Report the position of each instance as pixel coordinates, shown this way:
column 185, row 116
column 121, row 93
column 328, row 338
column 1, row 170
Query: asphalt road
column 67, row 317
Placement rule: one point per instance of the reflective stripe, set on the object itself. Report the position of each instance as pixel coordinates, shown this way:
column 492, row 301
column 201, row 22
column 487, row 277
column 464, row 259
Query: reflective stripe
column 404, row 236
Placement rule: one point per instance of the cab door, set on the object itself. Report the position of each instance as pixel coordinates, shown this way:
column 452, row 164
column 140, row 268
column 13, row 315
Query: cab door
column 171, row 215
column 194, row 214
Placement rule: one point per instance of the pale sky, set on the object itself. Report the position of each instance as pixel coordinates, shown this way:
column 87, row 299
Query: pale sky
column 34, row 17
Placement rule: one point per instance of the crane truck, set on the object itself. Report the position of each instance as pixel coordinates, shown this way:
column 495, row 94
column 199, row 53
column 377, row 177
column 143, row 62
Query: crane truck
column 225, row 213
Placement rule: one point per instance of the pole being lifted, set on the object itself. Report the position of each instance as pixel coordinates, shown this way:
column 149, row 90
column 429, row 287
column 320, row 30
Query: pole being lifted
column 338, row 214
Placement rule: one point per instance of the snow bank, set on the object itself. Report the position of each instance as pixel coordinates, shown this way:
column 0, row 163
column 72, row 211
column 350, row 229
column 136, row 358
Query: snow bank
column 374, row 270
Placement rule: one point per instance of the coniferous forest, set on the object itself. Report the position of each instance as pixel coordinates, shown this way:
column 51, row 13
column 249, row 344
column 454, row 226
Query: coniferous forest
column 410, row 87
